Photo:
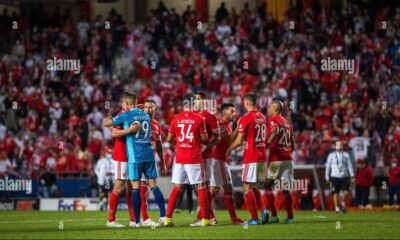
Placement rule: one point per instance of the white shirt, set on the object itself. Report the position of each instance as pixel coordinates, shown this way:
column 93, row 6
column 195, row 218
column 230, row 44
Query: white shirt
column 338, row 165
column 104, row 166
column 359, row 147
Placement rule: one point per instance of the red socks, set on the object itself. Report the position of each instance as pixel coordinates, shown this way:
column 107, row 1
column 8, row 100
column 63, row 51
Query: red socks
column 143, row 205
column 202, row 195
column 228, row 201
column 259, row 201
column 288, row 204
column 112, row 206
column 173, row 196
column 130, row 206
column 251, row 204
column 270, row 201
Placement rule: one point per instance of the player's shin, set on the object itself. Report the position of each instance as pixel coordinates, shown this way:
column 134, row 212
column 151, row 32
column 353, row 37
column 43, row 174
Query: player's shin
column 228, row 201
column 259, row 201
column 159, row 199
column 143, row 206
column 130, row 205
column 112, row 206
column 202, row 194
column 136, row 204
column 269, row 199
column 173, row 197
column 288, row 204
column 251, row 204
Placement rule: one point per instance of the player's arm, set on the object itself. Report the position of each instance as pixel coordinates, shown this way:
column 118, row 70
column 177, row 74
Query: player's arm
column 233, row 136
column 216, row 138
column 116, row 133
column 107, row 122
column 236, row 143
column 292, row 141
column 328, row 167
column 272, row 136
column 160, row 153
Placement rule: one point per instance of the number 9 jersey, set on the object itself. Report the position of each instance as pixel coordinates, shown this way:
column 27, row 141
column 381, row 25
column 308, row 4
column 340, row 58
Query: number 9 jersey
column 253, row 126
column 138, row 145
column 281, row 148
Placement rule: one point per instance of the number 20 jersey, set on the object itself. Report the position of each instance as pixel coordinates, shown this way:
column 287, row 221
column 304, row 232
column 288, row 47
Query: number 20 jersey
column 281, row 148
column 188, row 127
column 253, row 126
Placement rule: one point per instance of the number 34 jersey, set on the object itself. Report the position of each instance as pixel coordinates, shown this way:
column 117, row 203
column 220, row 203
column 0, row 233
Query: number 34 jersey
column 138, row 145
column 281, row 148
column 188, row 127
column 253, row 126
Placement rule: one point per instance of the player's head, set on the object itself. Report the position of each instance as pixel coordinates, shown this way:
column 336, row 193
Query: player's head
column 228, row 111
column 187, row 102
column 275, row 108
column 149, row 107
column 338, row 145
column 199, row 98
column 250, row 101
column 128, row 100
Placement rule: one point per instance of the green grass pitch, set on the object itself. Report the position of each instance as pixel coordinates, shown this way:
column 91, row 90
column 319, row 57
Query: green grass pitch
column 309, row 225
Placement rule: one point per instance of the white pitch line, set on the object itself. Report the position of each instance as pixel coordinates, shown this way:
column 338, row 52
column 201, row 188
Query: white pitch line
column 59, row 220
column 314, row 216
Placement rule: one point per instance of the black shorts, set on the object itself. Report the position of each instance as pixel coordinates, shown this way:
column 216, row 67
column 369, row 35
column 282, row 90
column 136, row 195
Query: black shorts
column 340, row 184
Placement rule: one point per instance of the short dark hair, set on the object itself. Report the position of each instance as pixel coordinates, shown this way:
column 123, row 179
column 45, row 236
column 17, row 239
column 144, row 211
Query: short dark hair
column 129, row 96
column 251, row 97
column 202, row 94
column 188, row 97
column 149, row 100
column 226, row 105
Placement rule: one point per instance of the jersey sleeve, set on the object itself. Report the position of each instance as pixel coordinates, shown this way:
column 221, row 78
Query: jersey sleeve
column 271, row 124
column 171, row 129
column 159, row 132
column 202, row 127
column 242, row 125
column 119, row 119
column 214, row 123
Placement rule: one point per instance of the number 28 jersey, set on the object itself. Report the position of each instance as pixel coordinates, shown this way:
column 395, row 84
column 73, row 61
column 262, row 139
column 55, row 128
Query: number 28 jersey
column 254, row 126
column 188, row 127
column 281, row 148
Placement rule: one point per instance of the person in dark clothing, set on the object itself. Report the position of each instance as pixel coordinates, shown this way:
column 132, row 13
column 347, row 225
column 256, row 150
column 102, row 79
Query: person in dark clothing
column 364, row 181
column 222, row 13
column 188, row 189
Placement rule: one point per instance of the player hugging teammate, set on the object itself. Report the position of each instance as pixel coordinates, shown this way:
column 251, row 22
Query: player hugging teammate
column 203, row 146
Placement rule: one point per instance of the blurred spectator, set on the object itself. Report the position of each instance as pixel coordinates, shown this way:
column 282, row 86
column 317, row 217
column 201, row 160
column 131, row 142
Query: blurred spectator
column 364, row 181
column 394, row 182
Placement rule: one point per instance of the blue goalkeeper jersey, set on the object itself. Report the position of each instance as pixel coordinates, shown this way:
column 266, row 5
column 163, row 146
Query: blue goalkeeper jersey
column 138, row 145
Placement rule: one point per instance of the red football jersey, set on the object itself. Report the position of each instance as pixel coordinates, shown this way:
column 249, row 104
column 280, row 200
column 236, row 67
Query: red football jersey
column 155, row 133
column 212, row 124
column 254, row 126
column 221, row 147
column 281, row 148
column 188, row 127
column 119, row 153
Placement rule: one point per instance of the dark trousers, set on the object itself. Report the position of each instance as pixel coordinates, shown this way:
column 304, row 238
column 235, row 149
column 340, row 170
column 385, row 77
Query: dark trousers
column 362, row 195
column 188, row 188
column 394, row 190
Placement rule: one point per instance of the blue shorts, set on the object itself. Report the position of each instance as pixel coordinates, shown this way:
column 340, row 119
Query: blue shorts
column 149, row 170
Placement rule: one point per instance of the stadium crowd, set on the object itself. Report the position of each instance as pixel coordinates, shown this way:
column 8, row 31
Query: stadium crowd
column 51, row 120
